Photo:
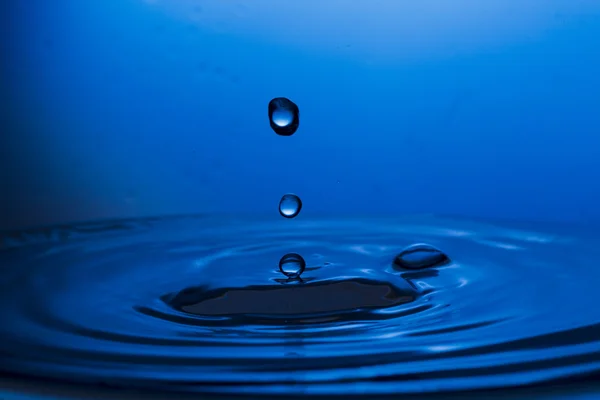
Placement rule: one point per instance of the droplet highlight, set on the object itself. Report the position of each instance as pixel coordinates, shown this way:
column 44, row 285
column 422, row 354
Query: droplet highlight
column 284, row 116
column 419, row 256
column 290, row 206
column 292, row 265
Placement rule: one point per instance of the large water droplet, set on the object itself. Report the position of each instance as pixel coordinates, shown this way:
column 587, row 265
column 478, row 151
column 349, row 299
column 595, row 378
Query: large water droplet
column 420, row 256
column 290, row 206
column 292, row 265
column 284, row 116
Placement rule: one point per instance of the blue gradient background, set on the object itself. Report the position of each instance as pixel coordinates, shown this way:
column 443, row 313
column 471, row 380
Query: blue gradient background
column 127, row 108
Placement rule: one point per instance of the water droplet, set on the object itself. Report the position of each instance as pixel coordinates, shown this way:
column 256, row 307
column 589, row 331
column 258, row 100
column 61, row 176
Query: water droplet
column 292, row 265
column 284, row 116
column 290, row 206
column 420, row 256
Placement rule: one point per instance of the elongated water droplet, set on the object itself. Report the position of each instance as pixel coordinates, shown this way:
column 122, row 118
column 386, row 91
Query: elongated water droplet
column 290, row 206
column 292, row 265
column 420, row 256
column 284, row 116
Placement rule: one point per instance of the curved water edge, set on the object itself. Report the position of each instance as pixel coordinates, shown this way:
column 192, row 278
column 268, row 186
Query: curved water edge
column 199, row 304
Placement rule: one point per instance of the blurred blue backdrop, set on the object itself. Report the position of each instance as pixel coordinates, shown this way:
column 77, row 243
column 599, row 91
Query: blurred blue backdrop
column 126, row 108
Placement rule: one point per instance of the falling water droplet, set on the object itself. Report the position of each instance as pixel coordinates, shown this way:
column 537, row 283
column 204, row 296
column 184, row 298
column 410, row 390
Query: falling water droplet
column 284, row 116
column 420, row 256
column 290, row 206
column 292, row 265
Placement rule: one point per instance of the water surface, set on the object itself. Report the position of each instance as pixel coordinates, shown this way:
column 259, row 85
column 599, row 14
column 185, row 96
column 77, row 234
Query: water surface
column 200, row 304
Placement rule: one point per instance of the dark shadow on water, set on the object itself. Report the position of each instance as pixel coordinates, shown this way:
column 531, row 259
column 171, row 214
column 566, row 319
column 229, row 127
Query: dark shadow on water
column 302, row 300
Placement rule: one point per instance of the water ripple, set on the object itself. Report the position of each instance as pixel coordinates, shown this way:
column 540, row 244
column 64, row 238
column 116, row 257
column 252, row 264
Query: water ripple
column 199, row 304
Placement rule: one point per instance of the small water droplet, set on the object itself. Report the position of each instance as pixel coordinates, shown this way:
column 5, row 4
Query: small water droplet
column 284, row 116
column 290, row 206
column 292, row 265
column 420, row 256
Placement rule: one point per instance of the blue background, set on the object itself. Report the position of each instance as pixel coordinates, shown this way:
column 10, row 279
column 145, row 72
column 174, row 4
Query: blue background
column 128, row 108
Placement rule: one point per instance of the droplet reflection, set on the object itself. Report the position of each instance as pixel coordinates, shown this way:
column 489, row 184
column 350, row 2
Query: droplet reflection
column 420, row 256
column 284, row 116
column 292, row 265
column 290, row 206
